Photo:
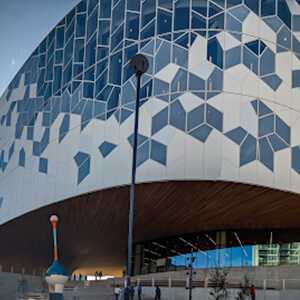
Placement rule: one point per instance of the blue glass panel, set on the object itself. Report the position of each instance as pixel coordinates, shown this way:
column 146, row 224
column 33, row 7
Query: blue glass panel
column 201, row 133
column 217, row 22
column 90, row 52
column 295, row 78
column 65, row 102
column 296, row 47
column 158, row 152
column 117, row 37
column 57, row 78
column 284, row 39
column 60, row 37
column 79, row 51
column 198, row 22
column 180, row 56
column 92, row 5
column 22, row 158
column 105, row 8
column 240, row 12
column 200, row 7
column 67, row 73
column 266, row 153
column 78, row 109
column 70, row 31
column 148, row 31
column 215, row 81
column 250, row 60
column 92, row 24
column 80, row 25
column 273, row 81
column 130, row 52
column 8, row 119
column 113, row 100
column 148, row 11
column 133, row 5
column 42, row 47
column 267, row 7
column 263, row 109
column 231, row 3
column 118, row 15
column 64, row 127
column 125, row 113
column 132, row 26
column 80, row 157
column 214, row 117
column 253, row 46
column 99, row 108
column 106, row 148
column 43, row 165
column 87, row 114
column 160, row 120
column 104, row 32
column 215, row 52
column 70, row 17
column 115, row 68
column 167, row 4
column 195, row 117
column 163, row 56
column 237, row 135
column 89, row 74
column 266, row 125
column 284, row 12
column 45, row 139
column 88, row 90
column 42, row 61
column 253, row 5
column 102, row 52
column 296, row 23
column 296, row 159
column 142, row 154
column 81, row 7
column 274, row 23
column 84, row 170
column 276, row 142
column 59, row 56
column 213, row 9
column 233, row 57
column 100, row 83
column 196, row 83
column 177, row 115
column 164, row 21
column 248, row 150
column 267, row 62
column 69, row 51
column 182, row 15
column 283, row 130
column 55, row 110
column 140, row 139
column 179, row 82
column 30, row 133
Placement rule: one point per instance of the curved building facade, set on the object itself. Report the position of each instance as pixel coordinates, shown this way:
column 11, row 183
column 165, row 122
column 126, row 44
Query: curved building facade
column 220, row 109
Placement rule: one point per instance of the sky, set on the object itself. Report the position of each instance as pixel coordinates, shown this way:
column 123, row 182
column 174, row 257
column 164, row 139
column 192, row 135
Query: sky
column 23, row 25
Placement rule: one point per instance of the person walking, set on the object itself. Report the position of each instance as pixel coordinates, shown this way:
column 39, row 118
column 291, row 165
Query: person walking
column 253, row 292
column 139, row 291
column 131, row 292
column 117, row 292
column 100, row 274
column 157, row 293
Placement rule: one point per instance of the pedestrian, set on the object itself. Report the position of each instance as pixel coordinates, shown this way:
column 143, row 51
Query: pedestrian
column 126, row 293
column 124, row 271
column 117, row 292
column 80, row 277
column 139, row 291
column 100, row 274
column 253, row 292
column 131, row 292
column 96, row 275
column 157, row 293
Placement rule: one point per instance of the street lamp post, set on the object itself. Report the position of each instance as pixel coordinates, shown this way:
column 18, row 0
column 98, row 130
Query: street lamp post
column 139, row 65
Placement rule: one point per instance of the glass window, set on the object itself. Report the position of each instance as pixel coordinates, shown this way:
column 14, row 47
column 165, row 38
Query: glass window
column 283, row 130
column 267, row 8
column 104, row 32
column 214, row 117
column 198, row 22
column 253, row 5
column 231, row 3
column 158, row 152
column 80, row 25
column 132, row 26
column 164, row 21
column 57, row 78
column 163, row 56
column 177, row 115
column 118, row 15
column 133, row 5
column 267, row 62
column 60, row 36
column 100, row 83
column 284, row 39
column 148, row 31
column 284, row 13
column 233, row 57
column 195, row 117
column 101, row 66
column 49, row 70
column 248, row 150
column 179, row 82
column 81, row 7
column 105, row 8
column 90, row 52
column 265, row 153
column 266, row 125
column 115, row 68
column 67, row 74
column 160, row 120
column 92, row 24
column 92, row 5
column 116, row 38
column 70, row 31
column 217, row 22
column 213, row 9
column 69, row 51
column 79, row 51
column 148, row 11
column 200, row 7
column 215, row 52
column 250, row 60
column 182, row 14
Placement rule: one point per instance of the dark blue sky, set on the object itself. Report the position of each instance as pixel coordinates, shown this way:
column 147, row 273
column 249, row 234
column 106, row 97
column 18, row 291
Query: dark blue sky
column 23, row 25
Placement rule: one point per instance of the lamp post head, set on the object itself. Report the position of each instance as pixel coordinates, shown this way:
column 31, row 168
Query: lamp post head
column 139, row 64
column 53, row 218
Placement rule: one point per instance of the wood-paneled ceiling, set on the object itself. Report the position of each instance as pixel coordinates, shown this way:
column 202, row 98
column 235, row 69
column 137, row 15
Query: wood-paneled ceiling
column 93, row 228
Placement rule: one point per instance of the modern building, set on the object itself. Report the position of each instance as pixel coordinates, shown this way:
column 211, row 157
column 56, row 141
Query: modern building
column 218, row 147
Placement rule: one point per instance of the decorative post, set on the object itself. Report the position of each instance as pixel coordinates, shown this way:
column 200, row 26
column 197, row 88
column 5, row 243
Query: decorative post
column 56, row 275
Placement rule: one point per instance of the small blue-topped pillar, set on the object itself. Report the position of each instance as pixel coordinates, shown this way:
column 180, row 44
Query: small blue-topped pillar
column 56, row 275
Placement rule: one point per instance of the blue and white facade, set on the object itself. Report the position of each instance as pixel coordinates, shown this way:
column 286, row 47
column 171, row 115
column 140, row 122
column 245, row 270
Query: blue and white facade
column 220, row 101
